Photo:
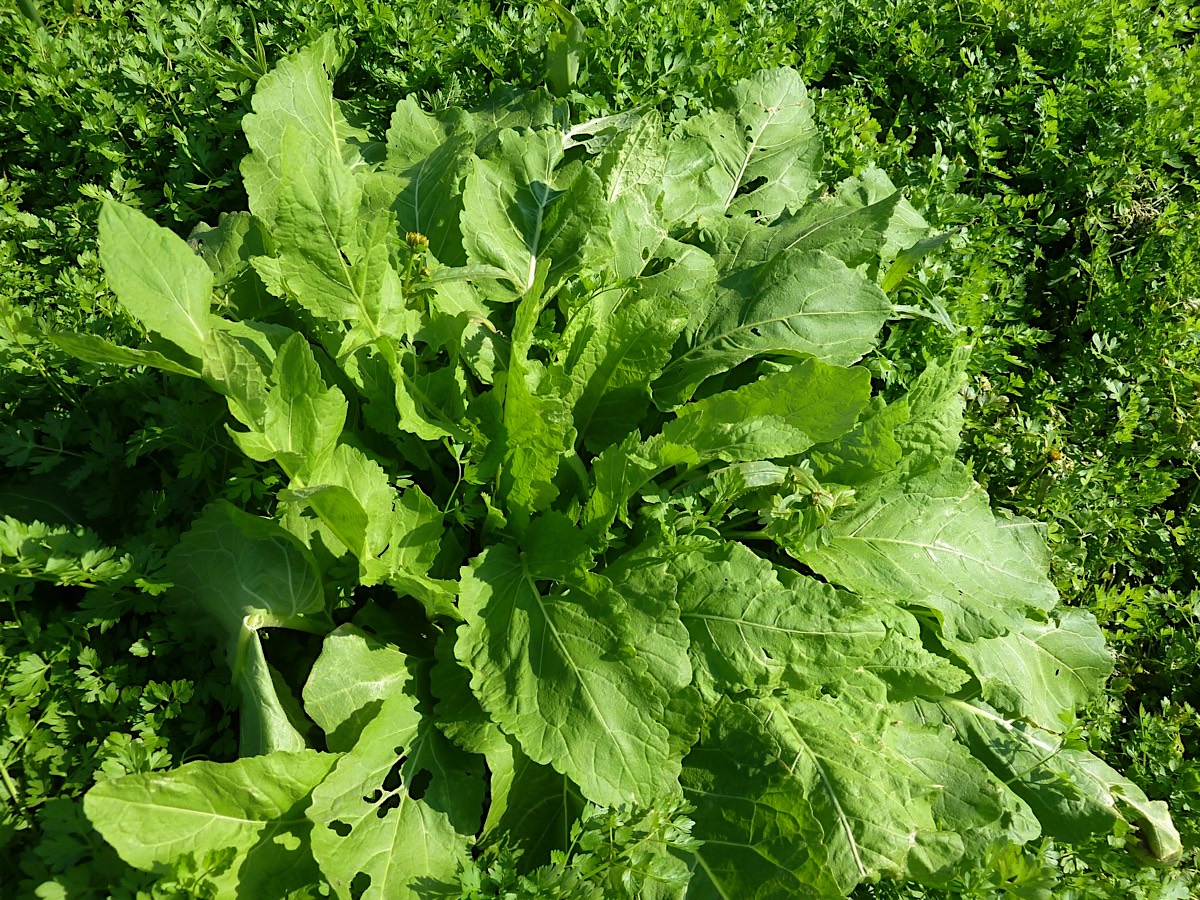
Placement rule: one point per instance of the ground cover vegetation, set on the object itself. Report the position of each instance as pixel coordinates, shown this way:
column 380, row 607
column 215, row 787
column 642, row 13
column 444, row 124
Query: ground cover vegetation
column 1054, row 142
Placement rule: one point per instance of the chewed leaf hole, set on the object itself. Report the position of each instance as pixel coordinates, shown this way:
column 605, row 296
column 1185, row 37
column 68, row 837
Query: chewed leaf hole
column 360, row 885
column 387, row 806
column 340, row 828
column 393, row 780
column 373, row 797
column 419, row 784
column 752, row 185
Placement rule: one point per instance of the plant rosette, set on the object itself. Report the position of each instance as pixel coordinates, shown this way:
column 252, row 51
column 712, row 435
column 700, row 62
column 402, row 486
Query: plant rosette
column 592, row 506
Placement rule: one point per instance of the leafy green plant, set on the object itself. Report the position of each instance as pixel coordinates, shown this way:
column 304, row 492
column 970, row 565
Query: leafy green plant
column 92, row 683
column 588, row 502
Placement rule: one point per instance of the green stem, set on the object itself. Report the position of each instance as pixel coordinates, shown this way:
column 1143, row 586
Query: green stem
column 746, row 535
column 30, row 11
column 12, row 792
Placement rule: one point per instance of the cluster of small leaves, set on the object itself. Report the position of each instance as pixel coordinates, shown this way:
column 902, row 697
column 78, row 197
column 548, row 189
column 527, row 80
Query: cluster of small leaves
column 92, row 686
column 549, row 383
column 611, row 853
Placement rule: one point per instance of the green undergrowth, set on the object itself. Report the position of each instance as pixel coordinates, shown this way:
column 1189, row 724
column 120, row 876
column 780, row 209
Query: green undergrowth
column 1055, row 141
column 586, row 512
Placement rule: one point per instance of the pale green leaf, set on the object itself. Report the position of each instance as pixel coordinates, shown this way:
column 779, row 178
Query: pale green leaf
column 799, row 797
column 751, row 632
column 562, row 675
column 333, row 255
column 777, row 416
column 510, row 108
column 304, row 418
column 457, row 711
column 350, row 680
column 269, row 719
column 232, row 368
column 615, row 346
column 632, row 171
column 398, row 809
column 248, row 573
column 352, row 495
column 296, row 95
column 935, row 410
column 765, row 149
column 848, row 225
column 539, row 432
column 156, row 276
column 254, row 805
column 1041, row 671
column 532, row 806
column 1074, row 794
column 868, row 450
column 933, row 542
column 93, row 349
column 521, row 208
column 801, row 303
column 242, row 569
column 430, row 154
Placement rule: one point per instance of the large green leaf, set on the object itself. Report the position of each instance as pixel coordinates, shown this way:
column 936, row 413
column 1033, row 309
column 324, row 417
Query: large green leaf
column 350, row 680
column 850, row 225
column 394, row 536
column 800, row 797
column 777, row 416
column 750, row 631
column 333, row 250
column 248, row 573
column 932, row 542
column 269, row 718
column 458, row 712
column 1074, row 794
column 430, row 154
column 254, row 806
column 616, row 345
column 563, row 675
column 632, row 171
column 538, row 433
column 296, row 95
column 866, row 451
column 297, row 421
column 397, row 809
column 156, row 276
column 935, row 411
column 522, row 207
column 532, row 806
column 93, row 349
column 765, row 152
column 1043, row 671
column 801, row 303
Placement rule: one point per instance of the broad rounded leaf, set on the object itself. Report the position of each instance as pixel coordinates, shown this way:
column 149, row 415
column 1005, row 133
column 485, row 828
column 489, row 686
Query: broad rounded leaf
column 932, row 541
column 397, row 809
column 254, row 806
column 350, row 680
column 562, row 675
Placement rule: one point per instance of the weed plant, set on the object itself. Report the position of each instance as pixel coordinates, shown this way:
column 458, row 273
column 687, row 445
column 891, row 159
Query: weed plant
column 1055, row 141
